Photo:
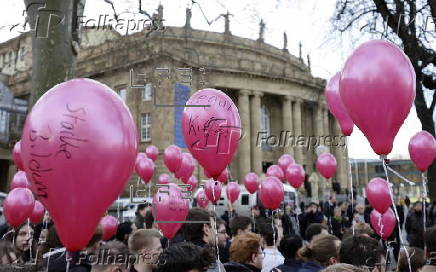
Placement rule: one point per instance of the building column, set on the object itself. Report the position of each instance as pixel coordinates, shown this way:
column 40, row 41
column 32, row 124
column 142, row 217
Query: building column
column 341, row 157
column 326, row 129
column 256, row 147
column 298, row 130
column 319, row 121
column 244, row 153
column 287, row 125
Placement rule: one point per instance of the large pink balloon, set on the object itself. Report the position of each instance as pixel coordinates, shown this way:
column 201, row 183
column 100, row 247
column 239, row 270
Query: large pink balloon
column 232, row 191
column 377, row 87
column 326, row 165
column 213, row 189
column 275, row 171
column 18, row 206
column 164, row 179
column 109, row 226
column 383, row 224
column 145, row 169
column 201, row 199
column 211, row 133
column 224, row 176
column 251, row 182
column 186, row 168
column 422, row 150
column 173, row 158
column 271, row 193
column 295, row 175
column 377, row 193
column 168, row 205
column 37, row 212
column 152, row 152
column 20, row 180
column 16, row 155
column 79, row 147
column 193, row 181
column 285, row 161
column 336, row 106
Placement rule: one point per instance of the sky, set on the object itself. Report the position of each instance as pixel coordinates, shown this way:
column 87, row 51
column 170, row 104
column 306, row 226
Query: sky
column 305, row 21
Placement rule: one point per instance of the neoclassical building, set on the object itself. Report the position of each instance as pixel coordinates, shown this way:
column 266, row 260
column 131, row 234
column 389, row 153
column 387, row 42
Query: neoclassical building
column 281, row 105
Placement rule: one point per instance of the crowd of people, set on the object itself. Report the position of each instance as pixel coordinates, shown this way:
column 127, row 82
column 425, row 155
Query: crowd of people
column 331, row 237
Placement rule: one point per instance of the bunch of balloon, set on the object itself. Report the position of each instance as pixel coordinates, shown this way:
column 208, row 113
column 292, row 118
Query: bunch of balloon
column 144, row 167
column 422, row 150
column 232, row 193
column 251, row 183
column 326, row 165
column 383, row 224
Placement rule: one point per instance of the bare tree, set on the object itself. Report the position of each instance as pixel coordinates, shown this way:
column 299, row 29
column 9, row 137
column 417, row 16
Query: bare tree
column 406, row 23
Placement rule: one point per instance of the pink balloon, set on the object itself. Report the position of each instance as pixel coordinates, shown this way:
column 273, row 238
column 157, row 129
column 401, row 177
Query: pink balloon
column 37, row 212
column 251, row 182
column 20, row 181
column 232, row 191
column 378, row 195
column 212, row 190
column 275, row 171
column 186, row 168
column 18, row 206
column 164, row 179
column 285, row 161
column 383, row 224
column 201, row 199
column 16, row 155
column 139, row 157
column 326, row 165
column 109, row 226
column 173, row 158
column 422, row 150
column 224, row 176
column 336, row 106
column 378, row 97
column 211, row 133
column 193, row 181
column 79, row 147
column 168, row 205
column 271, row 193
column 145, row 169
column 152, row 152
column 295, row 175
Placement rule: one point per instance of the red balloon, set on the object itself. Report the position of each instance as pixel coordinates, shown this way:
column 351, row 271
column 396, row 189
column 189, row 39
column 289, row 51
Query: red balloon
column 152, row 152
column 232, row 191
column 336, row 106
column 378, row 97
column 212, row 190
column 378, row 195
column 271, row 193
column 164, row 179
column 20, row 181
column 251, row 182
column 193, row 181
column 16, row 155
column 79, row 147
column 18, row 206
column 224, row 176
column 285, row 161
column 275, row 171
column 173, row 158
column 139, row 157
column 295, row 175
column 109, row 226
column 37, row 212
column 201, row 199
column 422, row 150
column 326, row 165
column 186, row 168
column 145, row 169
column 211, row 133
column 168, row 205
column 383, row 224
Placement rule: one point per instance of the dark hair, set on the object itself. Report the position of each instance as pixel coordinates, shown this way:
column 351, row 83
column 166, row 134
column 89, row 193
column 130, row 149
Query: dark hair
column 183, row 257
column 239, row 223
column 53, row 240
column 149, row 219
column 360, row 250
column 313, row 203
column 115, row 253
column 267, row 232
column 6, row 248
column 220, row 221
column 140, row 208
column 321, row 249
column 417, row 259
column 289, row 246
column 194, row 231
column 314, row 229
column 123, row 229
column 430, row 239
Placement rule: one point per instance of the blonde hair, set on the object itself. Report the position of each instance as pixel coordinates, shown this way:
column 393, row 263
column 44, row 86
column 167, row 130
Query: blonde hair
column 321, row 249
column 141, row 239
column 343, row 267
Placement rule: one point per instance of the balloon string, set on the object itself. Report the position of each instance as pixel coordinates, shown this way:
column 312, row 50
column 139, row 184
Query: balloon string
column 273, row 227
column 383, row 158
column 216, row 238
column 424, row 200
column 118, row 208
column 30, row 238
column 380, row 224
column 252, row 214
column 12, row 230
column 351, row 184
column 400, row 176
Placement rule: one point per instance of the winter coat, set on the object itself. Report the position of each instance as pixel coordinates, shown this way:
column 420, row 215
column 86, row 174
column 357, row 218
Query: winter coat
column 290, row 265
column 237, row 267
column 310, row 267
column 415, row 229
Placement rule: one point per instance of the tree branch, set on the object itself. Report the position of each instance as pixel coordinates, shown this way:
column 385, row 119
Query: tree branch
column 113, row 8
column 432, row 4
column 429, row 82
column 141, row 11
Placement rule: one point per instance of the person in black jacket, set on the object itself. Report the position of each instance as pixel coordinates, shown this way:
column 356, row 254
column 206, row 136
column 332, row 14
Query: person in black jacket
column 415, row 226
column 289, row 246
column 185, row 257
column 289, row 221
column 309, row 217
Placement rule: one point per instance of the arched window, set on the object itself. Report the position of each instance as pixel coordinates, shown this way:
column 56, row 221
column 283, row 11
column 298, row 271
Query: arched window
column 265, row 123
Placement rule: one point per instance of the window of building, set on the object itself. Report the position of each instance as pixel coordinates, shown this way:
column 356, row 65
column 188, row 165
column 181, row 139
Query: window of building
column 147, row 92
column 145, row 127
column 4, row 120
column 123, row 94
column 245, row 199
column 265, row 120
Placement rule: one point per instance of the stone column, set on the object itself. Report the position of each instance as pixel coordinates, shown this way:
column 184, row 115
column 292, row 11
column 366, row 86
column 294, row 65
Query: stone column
column 298, row 130
column 256, row 147
column 287, row 125
column 326, row 129
column 244, row 153
column 319, row 121
column 341, row 157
